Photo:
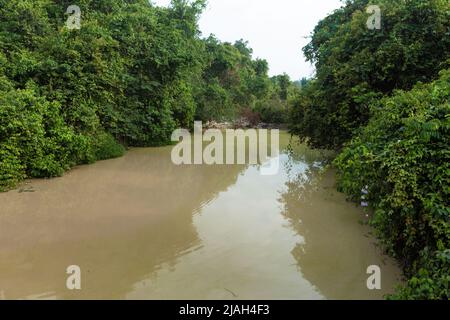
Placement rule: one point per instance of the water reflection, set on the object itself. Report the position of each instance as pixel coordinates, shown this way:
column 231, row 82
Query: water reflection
column 143, row 228
column 335, row 251
column 118, row 220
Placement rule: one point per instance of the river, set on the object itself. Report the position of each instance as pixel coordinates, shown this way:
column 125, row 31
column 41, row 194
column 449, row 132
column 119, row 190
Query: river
column 141, row 227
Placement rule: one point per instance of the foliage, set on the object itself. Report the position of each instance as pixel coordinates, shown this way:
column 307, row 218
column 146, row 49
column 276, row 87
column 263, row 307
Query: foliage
column 432, row 281
column 272, row 110
column 368, row 98
column 132, row 74
column 234, row 84
column 402, row 158
column 231, row 82
column 34, row 139
column 356, row 65
column 67, row 96
column 106, row 147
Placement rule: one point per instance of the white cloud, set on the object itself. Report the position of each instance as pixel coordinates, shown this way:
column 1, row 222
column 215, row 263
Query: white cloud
column 275, row 29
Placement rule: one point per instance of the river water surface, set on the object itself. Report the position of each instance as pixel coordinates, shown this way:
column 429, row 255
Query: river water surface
column 140, row 227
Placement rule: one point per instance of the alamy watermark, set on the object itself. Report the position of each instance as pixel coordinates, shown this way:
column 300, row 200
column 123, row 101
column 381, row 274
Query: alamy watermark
column 374, row 281
column 374, row 21
column 190, row 149
column 74, row 20
column 73, row 281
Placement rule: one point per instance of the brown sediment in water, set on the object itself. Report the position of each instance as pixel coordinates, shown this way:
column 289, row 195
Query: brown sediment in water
column 140, row 227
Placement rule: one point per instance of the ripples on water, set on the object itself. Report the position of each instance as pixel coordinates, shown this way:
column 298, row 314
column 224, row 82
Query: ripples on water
column 141, row 228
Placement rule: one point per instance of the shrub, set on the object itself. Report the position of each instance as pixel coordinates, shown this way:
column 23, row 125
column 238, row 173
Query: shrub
column 34, row 139
column 402, row 158
column 272, row 111
column 106, row 147
column 432, row 281
column 11, row 168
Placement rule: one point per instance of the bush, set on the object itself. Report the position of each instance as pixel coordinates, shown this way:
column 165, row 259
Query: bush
column 11, row 168
column 432, row 281
column 402, row 159
column 34, row 139
column 106, row 147
column 272, row 111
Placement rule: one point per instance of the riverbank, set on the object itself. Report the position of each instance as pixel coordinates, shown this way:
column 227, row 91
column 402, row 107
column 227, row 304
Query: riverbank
column 243, row 124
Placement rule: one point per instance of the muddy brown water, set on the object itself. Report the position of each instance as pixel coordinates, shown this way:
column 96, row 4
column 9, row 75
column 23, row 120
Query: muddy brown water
column 140, row 227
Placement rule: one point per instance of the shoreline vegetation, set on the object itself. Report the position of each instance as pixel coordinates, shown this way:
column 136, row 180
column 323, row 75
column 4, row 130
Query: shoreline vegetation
column 135, row 72
column 130, row 76
column 243, row 124
column 381, row 97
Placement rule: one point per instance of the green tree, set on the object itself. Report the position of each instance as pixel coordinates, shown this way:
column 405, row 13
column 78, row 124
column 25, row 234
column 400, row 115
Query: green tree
column 356, row 65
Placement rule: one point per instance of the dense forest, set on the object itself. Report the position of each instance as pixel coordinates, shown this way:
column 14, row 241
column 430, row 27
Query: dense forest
column 133, row 72
column 381, row 98
column 129, row 76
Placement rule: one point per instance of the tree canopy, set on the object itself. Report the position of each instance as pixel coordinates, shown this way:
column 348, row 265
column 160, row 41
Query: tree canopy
column 355, row 64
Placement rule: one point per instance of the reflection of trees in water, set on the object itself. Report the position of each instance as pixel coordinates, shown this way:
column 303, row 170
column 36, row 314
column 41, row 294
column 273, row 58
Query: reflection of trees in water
column 118, row 252
column 334, row 247
column 302, row 166
column 301, row 180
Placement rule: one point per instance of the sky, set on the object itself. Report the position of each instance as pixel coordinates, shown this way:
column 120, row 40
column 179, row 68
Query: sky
column 277, row 30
